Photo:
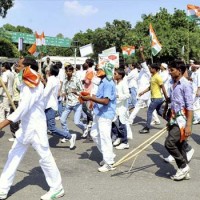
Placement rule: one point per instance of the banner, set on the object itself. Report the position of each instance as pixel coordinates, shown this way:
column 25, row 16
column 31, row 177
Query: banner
column 109, row 51
column 86, row 50
column 112, row 59
column 128, row 51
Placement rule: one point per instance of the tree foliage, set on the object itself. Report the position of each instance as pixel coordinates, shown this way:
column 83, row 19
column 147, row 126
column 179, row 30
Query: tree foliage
column 173, row 31
column 22, row 29
column 8, row 49
column 5, row 5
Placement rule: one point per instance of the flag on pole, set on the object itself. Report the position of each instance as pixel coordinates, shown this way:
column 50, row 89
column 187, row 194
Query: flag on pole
column 32, row 50
column 128, row 51
column 40, row 42
column 86, row 50
column 193, row 12
column 155, row 44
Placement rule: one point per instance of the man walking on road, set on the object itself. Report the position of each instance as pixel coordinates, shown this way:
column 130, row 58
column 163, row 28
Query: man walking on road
column 33, row 131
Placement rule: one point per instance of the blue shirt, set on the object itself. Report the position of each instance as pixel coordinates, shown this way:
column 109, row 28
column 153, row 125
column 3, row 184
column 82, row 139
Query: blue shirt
column 106, row 89
column 181, row 95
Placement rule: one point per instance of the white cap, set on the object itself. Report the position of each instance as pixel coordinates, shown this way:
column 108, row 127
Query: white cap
column 164, row 65
column 191, row 61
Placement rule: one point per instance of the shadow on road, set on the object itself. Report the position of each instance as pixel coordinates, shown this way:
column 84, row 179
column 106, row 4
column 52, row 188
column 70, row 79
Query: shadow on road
column 92, row 154
column 34, row 177
column 196, row 138
column 2, row 133
column 164, row 169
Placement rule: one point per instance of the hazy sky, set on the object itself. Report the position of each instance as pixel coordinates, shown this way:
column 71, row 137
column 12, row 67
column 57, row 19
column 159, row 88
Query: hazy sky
column 71, row 16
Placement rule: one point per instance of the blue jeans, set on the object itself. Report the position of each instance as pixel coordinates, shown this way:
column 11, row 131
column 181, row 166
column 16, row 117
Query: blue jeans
column 132, row 100
column 60, row 108
column 155, row 104
column 51, row 124
column 77, row 116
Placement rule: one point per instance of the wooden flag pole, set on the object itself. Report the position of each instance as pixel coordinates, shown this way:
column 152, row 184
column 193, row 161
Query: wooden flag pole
column 147, row 143
column 7, row 93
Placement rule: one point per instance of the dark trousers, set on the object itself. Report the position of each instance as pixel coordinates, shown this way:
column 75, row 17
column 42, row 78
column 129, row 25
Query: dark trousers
column 176, row 148
column 14, row 126
column 87, row 112
column 119, row 130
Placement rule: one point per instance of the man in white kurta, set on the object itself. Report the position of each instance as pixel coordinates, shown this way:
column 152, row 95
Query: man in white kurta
column 8, row 79
column 195, row 77
column 33, row 131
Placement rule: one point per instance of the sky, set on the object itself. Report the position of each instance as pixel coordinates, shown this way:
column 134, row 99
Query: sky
column 72, row 16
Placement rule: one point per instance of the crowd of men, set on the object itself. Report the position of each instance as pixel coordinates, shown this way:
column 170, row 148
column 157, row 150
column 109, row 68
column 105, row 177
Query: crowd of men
column 105, row 102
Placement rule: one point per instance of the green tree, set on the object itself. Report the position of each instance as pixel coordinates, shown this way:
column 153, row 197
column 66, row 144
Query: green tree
column 173, row 31
column 8, row 49
column 5, row 5
column 22, row 29
column 60, row 35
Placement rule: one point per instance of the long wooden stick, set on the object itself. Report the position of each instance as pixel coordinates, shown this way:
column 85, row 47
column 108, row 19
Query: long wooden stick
column 7, row 93
column 146, row 143
column 127, row 155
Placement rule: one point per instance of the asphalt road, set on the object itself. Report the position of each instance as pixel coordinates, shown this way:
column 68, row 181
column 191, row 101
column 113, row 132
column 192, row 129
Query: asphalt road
column 146, row 178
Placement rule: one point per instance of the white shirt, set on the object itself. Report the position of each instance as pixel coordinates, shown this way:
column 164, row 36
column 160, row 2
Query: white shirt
column 61, row 78
column 122, row 100
column 8, row 79
column 79, row 74
column 165, row 77
column 144, row 81
column 51, row 92
column 61, row 75
column 195, row 81
column 132, row 78
column 31, row 113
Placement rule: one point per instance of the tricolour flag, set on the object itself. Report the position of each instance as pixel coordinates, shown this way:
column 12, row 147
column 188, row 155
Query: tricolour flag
column 193, row 12
column 155, row 44
column 40, row 42
column 32, row 50
column 128, row 51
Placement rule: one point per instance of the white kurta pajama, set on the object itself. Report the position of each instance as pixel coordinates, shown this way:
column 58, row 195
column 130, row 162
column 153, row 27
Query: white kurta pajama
column 33, row 131
column 195, row 85
column 122, row 105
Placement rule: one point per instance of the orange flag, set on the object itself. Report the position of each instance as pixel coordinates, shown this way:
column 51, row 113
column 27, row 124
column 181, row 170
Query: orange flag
column 32, row 49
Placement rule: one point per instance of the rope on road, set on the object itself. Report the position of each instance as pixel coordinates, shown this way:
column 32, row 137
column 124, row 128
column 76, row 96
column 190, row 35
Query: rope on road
column 144, row 145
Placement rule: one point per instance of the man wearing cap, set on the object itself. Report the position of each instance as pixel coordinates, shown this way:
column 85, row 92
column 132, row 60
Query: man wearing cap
column 46, row 67
column 164, row 73
column 104, row 113
column 33, row 131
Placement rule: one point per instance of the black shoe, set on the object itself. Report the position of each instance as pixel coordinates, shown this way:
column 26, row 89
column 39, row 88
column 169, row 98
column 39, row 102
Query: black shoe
column 144, row 130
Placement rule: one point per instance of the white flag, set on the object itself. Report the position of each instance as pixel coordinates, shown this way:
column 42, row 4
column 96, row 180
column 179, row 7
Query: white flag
column 86, row 50
column 109, row 51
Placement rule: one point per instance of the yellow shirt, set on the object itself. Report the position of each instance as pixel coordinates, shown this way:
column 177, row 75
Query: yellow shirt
column 155, row 83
